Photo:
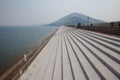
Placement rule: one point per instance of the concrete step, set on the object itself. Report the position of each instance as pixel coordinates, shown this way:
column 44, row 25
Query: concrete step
column 77, row 54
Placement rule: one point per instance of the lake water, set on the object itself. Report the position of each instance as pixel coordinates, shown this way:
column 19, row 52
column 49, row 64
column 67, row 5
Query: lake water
column 15, row 41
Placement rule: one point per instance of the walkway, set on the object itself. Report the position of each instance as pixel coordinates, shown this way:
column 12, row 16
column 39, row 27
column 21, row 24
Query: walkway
column 75, row 54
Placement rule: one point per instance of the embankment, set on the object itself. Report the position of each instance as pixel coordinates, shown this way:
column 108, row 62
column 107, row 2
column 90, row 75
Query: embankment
column 109, row 30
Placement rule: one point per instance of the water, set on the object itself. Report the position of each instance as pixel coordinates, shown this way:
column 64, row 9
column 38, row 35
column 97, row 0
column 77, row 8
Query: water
column 15, row 41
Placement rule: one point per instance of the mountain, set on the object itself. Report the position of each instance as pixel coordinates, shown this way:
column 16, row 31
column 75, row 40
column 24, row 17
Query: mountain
column 74, row 19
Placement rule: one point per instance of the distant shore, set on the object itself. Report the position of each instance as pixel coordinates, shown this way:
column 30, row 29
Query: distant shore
column 15, row 71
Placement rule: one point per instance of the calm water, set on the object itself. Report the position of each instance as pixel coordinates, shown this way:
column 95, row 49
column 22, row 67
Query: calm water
column 15, row 41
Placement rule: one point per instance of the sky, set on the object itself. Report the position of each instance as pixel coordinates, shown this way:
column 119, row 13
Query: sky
column 29, row 12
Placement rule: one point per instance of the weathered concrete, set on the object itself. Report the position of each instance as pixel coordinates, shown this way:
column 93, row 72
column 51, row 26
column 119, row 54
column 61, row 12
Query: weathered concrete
column 75, row 54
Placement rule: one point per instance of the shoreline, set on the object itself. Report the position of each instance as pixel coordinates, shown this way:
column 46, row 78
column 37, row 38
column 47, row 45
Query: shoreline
column 18, row 68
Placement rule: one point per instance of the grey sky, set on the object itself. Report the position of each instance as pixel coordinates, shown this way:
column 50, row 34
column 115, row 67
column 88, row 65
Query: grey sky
column 27, row 12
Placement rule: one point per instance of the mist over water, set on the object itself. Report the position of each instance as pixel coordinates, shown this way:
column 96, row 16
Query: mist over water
column 15, row 41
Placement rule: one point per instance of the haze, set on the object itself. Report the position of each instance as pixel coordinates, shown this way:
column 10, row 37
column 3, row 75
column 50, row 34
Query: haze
column 28, row 12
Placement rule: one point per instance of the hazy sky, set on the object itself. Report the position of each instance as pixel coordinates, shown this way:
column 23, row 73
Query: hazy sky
column 27, row 12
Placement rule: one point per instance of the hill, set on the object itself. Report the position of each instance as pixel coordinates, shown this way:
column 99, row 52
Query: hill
column 74, row 19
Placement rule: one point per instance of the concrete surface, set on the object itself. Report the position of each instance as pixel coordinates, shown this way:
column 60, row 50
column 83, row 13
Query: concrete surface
column 76, row 54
